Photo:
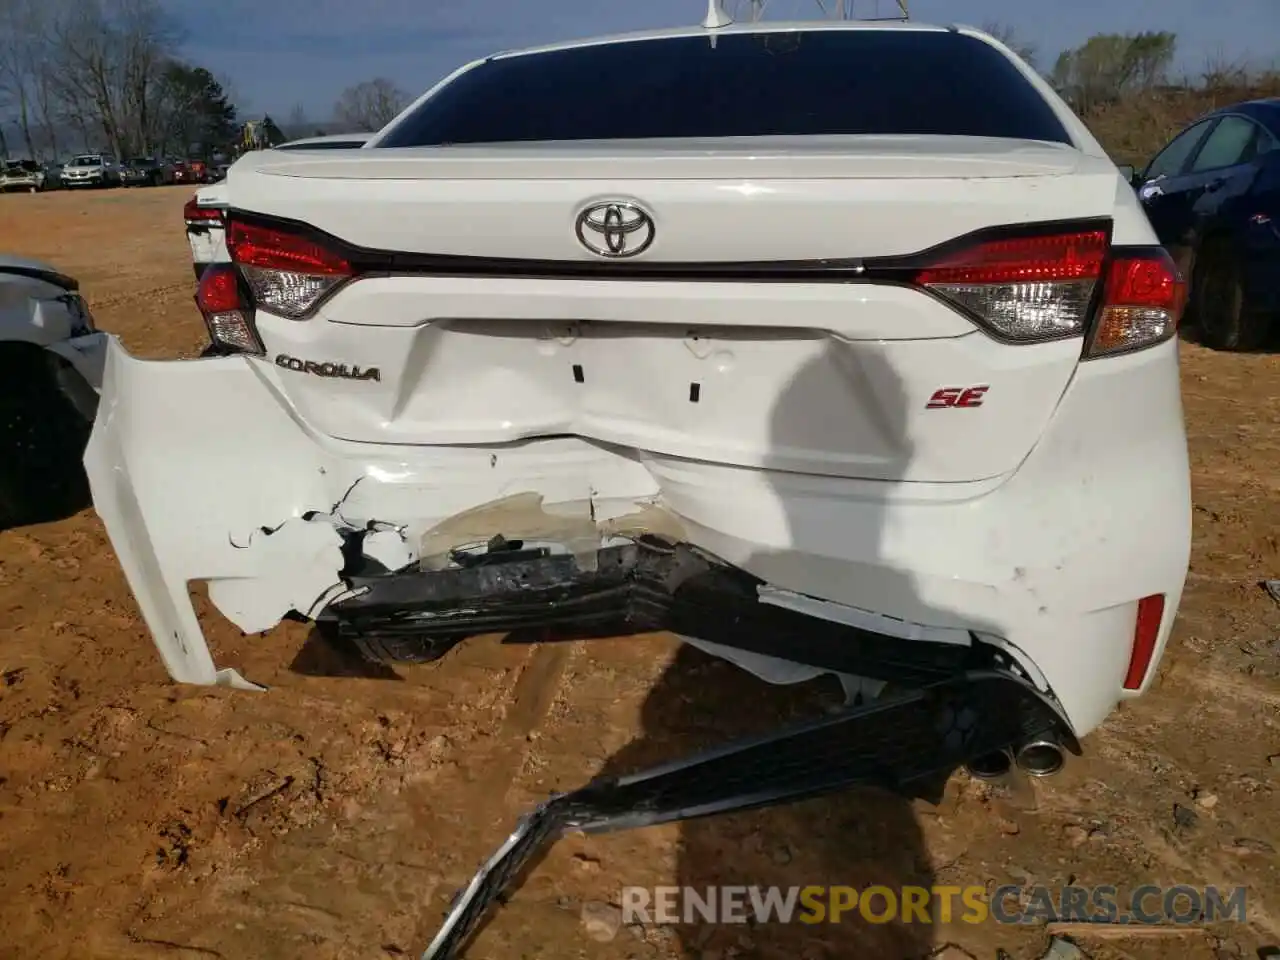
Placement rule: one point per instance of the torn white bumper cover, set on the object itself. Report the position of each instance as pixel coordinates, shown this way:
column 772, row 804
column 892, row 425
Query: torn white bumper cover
column 201, row 471
column 204, row 470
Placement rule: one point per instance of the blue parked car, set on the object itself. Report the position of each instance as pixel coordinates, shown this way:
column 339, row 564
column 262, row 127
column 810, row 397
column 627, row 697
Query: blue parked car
column 1213, row 196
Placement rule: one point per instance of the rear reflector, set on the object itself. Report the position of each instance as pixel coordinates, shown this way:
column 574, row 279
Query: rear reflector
column 1145, row 633
column 226, row 316
column 1142, row 303
column 1024, row 289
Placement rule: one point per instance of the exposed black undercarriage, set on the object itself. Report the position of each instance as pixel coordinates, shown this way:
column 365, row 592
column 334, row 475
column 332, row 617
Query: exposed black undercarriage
column 641, row 586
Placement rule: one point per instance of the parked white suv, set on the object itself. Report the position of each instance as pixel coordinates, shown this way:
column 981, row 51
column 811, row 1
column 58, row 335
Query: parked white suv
column 835, row 347
column 92, row 170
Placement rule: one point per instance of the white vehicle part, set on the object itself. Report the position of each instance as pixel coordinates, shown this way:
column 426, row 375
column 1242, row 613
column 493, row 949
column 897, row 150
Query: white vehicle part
column 208, row 238
column 192, row 463
column 875, row 352
column 770, row 198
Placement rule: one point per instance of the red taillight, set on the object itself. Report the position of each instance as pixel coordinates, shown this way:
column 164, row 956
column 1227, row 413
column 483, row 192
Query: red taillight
column 1142, row 303
column 1024, row 289
column 1067, row 256
column 288, row 274
column 219, row 290
column 1145, row 633
column 196, row 215
column 277, row 250
column 226, row 315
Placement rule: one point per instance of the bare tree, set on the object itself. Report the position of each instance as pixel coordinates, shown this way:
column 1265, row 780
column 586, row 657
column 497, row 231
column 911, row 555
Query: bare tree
column 1223, row 72
column 104, row 72
column 147, row 39
column 19, row 61
column 371, row 105
column 104, row 66
column 1009, row 37
column 297, row 124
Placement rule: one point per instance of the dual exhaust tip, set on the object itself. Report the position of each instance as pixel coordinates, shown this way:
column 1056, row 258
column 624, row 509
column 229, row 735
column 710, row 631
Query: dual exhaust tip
column 1035, row 758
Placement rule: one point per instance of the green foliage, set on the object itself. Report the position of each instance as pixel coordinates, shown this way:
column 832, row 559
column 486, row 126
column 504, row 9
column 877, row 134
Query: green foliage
column 1111, row 66
column 202, row 120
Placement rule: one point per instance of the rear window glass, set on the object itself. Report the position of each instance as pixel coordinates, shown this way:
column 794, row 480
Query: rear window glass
column 793, row 83
column 323, row 145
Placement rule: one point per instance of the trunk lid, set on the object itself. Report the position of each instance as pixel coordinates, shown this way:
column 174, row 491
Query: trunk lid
column 492, row 322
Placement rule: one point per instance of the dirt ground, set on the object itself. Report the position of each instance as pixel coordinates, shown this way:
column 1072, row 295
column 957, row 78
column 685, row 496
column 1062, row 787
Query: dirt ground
column 333, row 816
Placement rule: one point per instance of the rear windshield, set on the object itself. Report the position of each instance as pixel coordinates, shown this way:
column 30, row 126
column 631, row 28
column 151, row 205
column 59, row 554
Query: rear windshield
column 323, row 145
column 87, row 162
column 793, row 83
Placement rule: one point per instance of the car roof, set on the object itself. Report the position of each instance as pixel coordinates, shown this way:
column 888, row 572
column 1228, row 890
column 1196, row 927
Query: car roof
column 739, row 28
column 1265, row 110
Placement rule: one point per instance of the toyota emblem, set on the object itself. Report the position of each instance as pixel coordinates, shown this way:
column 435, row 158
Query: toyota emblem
column 615, row 229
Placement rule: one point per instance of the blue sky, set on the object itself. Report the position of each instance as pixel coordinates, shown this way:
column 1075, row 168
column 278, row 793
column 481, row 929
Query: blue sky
column 284, row 52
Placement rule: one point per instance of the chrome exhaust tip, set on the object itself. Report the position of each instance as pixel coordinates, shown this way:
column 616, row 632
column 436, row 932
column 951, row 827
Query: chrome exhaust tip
column 990, row 766
column 1040, row 758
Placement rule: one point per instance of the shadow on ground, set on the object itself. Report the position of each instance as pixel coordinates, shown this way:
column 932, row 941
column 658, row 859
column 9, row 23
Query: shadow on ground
column 860, row 838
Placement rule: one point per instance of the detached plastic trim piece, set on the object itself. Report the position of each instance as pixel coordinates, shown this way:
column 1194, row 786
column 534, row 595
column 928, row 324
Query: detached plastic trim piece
column 915, row 739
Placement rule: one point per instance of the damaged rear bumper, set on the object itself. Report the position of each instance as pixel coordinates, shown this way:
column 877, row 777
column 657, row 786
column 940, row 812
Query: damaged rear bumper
column 205, row 470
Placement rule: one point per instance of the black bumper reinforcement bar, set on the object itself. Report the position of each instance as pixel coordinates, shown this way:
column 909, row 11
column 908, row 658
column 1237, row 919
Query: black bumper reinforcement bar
column 645, row 586
column 894, row 743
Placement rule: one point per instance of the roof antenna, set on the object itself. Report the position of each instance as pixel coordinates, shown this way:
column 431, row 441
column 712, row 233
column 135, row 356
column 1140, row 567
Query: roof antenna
column 717, row 16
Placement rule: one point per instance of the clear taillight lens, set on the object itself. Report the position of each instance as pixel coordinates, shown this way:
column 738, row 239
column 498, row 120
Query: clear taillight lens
column 1037, row 288
column 1024, row 289
column 287, row 274
column 227, row 317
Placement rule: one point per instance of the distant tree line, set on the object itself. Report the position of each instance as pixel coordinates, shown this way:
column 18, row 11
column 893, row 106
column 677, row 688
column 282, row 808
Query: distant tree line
column 364, row 107
column 1124, row 86
column 1110, row 68
column 1105, row 70
column 104, row 75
